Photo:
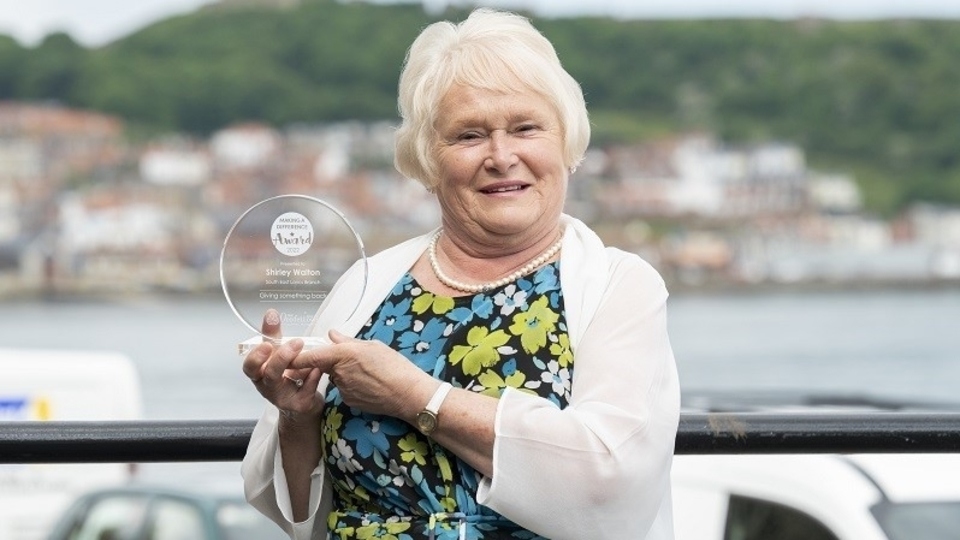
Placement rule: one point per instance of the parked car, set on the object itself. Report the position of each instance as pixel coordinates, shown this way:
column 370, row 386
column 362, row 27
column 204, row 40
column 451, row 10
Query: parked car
column 816, row 496
column 158, row 513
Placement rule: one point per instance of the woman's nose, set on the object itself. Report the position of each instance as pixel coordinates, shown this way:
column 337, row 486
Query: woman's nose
column 502, row 155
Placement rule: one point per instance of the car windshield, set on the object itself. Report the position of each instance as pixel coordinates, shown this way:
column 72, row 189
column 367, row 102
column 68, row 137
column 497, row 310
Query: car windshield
column 920, row 521
column 239, row 521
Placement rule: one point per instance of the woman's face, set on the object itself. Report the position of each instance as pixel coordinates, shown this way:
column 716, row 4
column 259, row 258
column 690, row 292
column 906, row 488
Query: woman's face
column 500, row 159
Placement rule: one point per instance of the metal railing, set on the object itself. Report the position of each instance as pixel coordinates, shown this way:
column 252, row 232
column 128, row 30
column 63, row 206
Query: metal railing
column 699, row 433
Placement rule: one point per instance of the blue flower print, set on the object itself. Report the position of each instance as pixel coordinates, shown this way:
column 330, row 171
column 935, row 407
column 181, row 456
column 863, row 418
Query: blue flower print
column 423, row 345
column 333, row 395
column 374, row 486
column 393, row 318
column 371, row 433
column 481, row 306
column 405, row 283
column 546, row 279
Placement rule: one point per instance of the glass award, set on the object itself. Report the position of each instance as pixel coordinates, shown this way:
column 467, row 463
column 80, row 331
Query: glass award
column 286, row 253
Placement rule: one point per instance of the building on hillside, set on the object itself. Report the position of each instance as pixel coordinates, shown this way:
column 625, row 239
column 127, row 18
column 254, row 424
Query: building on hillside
column 245, row 146
column 834, row 193
column 44, row 148
column 938, row 226
column 116, row 240
column 21, row 163
column 176, row 163
column 695, row 176
column 69, row 141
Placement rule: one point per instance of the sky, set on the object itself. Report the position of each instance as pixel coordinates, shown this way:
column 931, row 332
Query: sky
column 97, row 22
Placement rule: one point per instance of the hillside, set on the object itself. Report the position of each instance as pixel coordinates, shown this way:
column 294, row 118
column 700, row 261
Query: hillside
column 877, row 99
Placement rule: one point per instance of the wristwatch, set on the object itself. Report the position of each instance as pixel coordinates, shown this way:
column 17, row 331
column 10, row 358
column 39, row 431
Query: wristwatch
column 427, row 418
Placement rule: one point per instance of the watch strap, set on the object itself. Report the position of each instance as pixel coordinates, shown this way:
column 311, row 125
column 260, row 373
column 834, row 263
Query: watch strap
column 441, row 394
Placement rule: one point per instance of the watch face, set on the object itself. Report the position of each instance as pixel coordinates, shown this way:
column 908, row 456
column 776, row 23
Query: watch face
column 426, row 421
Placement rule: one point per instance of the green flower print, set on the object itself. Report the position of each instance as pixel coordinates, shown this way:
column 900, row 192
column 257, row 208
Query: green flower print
column 481, row 350
column 534, row 324
column 494, row 384
column 413, row 449
column 383, row 531
column 333, row 523
column 443, row 464
column 429, row 301
column 331, row 426
column 560, row 350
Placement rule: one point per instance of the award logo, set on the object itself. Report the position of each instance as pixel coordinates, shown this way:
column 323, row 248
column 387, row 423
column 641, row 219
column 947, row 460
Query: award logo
column 291, row 234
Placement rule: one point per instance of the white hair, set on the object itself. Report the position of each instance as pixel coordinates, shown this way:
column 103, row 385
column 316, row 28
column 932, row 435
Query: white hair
column 490, row 50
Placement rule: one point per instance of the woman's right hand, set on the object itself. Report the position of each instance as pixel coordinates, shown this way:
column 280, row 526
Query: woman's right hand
column 267, row 366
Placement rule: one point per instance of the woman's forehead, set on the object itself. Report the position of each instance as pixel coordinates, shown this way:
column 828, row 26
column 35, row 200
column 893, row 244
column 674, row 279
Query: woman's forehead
column 462, row 103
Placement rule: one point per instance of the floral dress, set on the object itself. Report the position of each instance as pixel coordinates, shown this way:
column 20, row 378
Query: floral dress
column 392, row 482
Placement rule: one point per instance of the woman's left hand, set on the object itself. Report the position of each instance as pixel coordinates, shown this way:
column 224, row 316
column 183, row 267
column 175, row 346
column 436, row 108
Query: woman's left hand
column 371, row 376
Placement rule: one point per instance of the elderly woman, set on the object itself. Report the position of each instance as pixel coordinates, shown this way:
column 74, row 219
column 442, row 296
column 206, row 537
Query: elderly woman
column 506, row 375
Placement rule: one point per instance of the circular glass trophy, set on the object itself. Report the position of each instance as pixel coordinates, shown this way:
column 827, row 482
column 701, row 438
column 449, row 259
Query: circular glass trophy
column 286, row 253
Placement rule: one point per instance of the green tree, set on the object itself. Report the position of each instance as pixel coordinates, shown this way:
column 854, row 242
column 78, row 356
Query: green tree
column 12, row 60
column 54, row 69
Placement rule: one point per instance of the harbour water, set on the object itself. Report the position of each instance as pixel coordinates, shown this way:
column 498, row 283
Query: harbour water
column 898, row 344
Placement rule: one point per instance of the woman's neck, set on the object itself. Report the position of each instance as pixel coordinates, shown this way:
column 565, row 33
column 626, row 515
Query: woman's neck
column 465, row 259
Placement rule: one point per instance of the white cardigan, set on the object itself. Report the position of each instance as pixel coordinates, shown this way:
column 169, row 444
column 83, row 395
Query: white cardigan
column 598, row 469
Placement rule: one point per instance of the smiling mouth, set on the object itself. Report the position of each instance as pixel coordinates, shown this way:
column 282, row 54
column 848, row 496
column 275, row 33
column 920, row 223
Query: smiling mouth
column 504, row 189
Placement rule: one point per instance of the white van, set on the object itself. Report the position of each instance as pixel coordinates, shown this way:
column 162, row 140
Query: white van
column 51, row 385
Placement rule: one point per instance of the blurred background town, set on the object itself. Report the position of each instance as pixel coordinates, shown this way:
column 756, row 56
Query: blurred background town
column 728, row 153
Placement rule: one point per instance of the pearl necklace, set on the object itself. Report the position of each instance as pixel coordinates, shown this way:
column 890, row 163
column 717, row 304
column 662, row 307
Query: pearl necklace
column 484, row 287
